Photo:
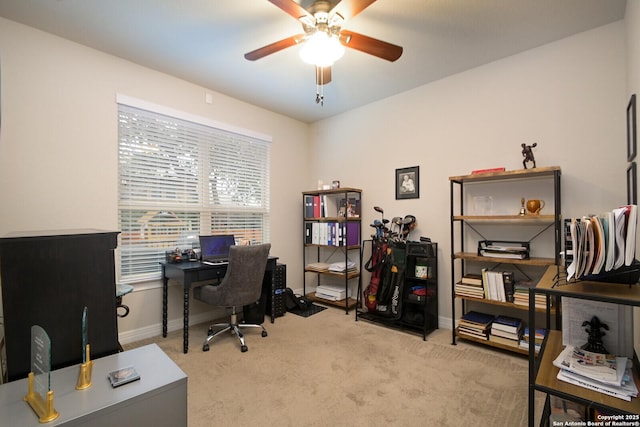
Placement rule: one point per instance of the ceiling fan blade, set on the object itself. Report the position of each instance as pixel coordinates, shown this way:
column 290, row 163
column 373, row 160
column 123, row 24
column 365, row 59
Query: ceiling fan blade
column 369, row 45
column 350, row 8
column 274, row 47
column 293, row 9
column 323, row 75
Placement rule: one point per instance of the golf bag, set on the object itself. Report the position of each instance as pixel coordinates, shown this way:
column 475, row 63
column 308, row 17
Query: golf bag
column 375, row 266
column 389, row 294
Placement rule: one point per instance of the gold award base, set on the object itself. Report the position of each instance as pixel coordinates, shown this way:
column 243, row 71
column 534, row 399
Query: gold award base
column 45, row 410
column 84, row 376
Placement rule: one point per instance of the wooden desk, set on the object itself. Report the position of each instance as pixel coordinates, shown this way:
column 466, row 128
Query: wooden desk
column 158, row 398
column 190, row 272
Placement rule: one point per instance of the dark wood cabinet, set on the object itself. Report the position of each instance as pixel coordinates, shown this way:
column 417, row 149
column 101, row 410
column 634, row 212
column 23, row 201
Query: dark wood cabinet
column 47, row 279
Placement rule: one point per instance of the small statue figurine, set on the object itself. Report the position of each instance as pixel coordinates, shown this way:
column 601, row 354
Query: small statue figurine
column 595, row 336
column 527, row 152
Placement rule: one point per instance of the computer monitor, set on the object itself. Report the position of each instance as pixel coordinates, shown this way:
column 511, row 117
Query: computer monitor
column 215, row 248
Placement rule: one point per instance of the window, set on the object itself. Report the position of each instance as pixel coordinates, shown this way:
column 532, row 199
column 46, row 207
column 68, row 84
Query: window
column 180, row 177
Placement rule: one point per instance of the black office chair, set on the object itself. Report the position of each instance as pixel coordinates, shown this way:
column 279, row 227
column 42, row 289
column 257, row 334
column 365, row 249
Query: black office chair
column 241, row 285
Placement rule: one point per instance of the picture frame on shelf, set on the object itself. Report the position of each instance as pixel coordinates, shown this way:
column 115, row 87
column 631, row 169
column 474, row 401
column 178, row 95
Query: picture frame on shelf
column 632, row 188
column 631, row 128
column 408, row 183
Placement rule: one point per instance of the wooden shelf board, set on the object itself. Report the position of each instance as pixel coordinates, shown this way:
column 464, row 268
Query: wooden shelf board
column 507, row 218
column 610, row 292
column 351, row 302
column 547, row 381
column 505, row 304
column 309, row 245
column 473, row 256
column 513, row 174
column 349, row 276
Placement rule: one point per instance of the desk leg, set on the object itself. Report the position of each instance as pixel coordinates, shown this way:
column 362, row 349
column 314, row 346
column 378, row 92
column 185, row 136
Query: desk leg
column 185, row 326
column 165, row 284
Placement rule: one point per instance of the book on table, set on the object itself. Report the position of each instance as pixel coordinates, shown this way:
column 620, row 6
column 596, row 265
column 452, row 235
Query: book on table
column 123, row 376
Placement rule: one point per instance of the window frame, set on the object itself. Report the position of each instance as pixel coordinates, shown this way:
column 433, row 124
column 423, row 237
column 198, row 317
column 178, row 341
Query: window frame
column 222, row 155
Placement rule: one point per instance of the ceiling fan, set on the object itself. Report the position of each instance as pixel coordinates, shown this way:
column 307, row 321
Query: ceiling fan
column 322, row 22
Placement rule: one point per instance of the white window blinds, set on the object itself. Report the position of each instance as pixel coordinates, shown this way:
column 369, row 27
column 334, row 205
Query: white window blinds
column 180, row 178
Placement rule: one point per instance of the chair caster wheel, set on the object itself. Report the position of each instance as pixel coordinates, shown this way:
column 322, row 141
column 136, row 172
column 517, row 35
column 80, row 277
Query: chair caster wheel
column 264, row 334
column 205, row 347
column 210, row 332
column 244, row 348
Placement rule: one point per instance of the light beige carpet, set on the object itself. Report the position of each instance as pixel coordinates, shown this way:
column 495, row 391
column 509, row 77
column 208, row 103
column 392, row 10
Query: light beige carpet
column 329, row 370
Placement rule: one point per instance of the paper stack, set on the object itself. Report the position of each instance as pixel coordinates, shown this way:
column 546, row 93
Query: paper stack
column 342, row 267
column 605, row 374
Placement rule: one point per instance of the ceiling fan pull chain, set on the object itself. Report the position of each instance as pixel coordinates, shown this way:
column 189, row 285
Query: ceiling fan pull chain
column 320, row 89
column 320, row 86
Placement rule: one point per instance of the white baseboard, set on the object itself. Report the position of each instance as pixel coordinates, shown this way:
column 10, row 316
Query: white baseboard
column 155, row 330
column 176, row 325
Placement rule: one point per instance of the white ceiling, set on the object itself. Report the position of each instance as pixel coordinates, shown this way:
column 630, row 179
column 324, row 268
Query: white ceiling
column 203, row 41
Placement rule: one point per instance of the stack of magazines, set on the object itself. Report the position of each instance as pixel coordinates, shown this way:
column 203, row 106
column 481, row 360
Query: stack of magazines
column 603, row 373
column 598, row 244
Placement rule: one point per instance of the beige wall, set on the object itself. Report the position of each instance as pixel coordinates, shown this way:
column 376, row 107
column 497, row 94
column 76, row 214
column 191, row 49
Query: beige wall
column 568, row 96
column 58, row 149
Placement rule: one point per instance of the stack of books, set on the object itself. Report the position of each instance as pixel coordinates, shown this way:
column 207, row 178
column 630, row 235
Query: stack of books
column 475, row 324
column 506, row 330
column 521, row 294
column 538, row 338
column 603, row 373
column 498, row 285
column 470, row 286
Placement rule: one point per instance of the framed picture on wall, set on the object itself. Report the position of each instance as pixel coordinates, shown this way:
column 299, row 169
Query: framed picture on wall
column 408, row 183
column 632, row 188
column 631, row 128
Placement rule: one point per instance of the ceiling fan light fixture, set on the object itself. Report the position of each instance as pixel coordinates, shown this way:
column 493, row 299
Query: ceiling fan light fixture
column 322, row 49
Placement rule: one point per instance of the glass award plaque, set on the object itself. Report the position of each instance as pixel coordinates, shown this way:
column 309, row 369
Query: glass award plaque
column 40, row 395
column 84, row 376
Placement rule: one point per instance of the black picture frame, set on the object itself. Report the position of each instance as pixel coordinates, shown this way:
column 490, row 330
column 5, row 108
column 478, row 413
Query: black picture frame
column 632, row 187
column 408, row 183
column 631, row 129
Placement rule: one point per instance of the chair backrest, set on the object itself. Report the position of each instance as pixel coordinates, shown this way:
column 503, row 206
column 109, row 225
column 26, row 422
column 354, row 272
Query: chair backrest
column 245, row 272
